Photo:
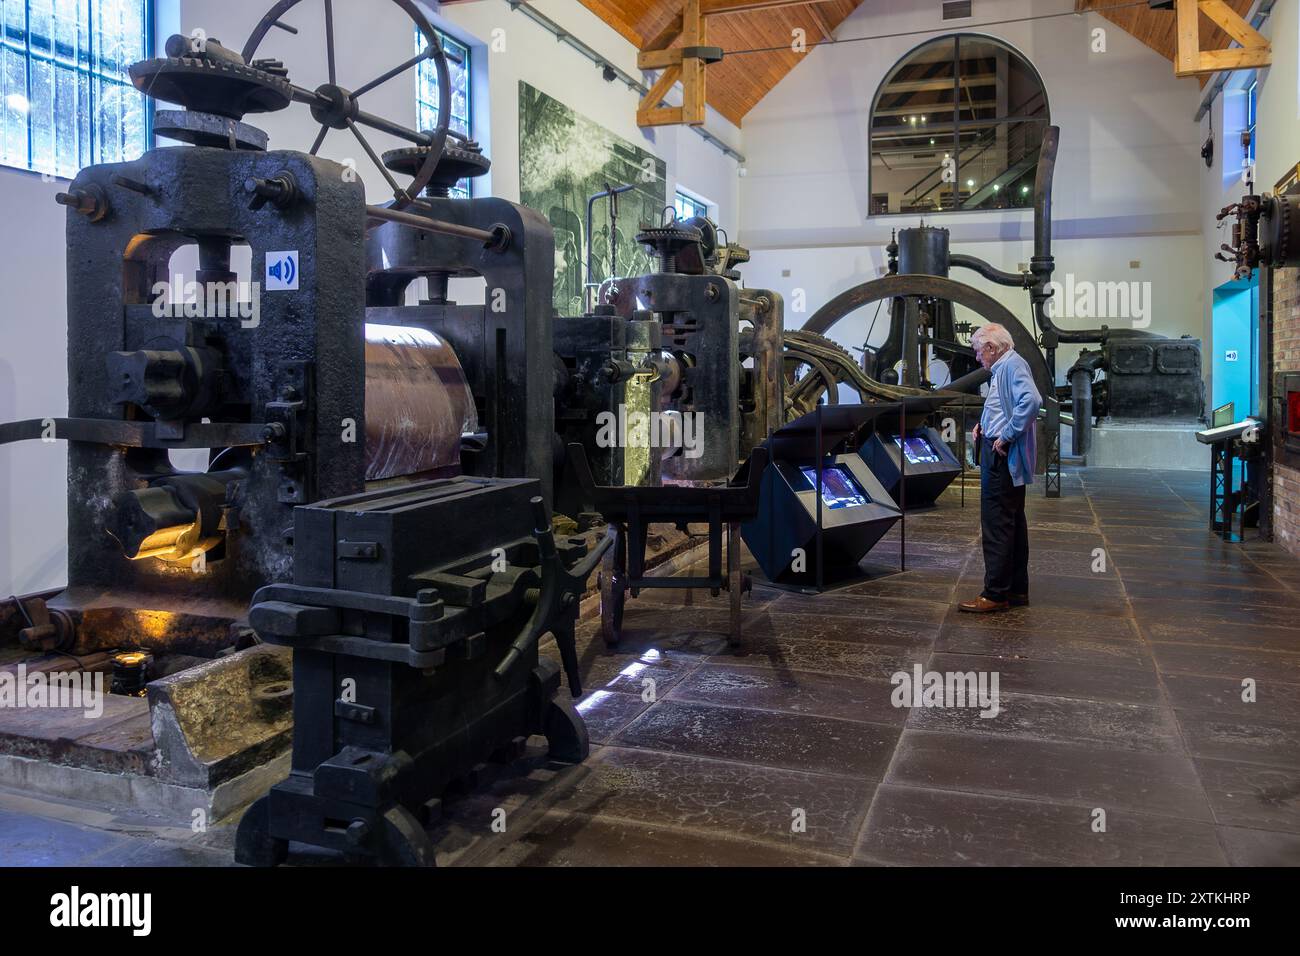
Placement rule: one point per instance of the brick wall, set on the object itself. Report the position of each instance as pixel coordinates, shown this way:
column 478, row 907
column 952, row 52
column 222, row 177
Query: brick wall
column 1286, row 358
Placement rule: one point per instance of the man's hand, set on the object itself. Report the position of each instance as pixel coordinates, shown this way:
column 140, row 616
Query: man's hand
column 978, row 433
column 1001, row 447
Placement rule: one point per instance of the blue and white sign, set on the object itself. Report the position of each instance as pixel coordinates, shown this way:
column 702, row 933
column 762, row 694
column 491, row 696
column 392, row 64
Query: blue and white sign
column 282, row 271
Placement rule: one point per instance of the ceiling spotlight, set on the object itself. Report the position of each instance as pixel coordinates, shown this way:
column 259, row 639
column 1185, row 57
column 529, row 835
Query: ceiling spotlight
column 1024, row 189
column 970, row 183
column 996, row 187
column 609, row 74
column 932, row 143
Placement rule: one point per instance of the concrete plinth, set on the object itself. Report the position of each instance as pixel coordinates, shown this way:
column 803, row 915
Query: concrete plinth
column 1148, row 444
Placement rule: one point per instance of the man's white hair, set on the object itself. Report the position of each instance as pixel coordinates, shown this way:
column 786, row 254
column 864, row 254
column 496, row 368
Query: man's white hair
column 993, row 334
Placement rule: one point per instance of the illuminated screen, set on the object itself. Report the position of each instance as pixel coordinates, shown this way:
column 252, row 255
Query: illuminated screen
column 918, row 450
column 839, row 489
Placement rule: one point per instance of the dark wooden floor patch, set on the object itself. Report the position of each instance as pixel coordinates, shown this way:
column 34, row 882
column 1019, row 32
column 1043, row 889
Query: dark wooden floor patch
column 1103, row 723
column 1054, row 678
column 789, row 809
column 1252, row 795
column 1088, row 776
column 789, row 741
column 798, row 692
column 907, row 826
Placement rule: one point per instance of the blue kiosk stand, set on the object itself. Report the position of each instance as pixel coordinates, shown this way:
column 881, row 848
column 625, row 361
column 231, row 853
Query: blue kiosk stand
column 808, row 540
column 914, row 450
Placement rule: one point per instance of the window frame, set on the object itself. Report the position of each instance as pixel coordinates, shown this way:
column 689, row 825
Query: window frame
column 954, row 126
column 699, row 206
column 1252, row 119
column 463, row 53
column 79, row 69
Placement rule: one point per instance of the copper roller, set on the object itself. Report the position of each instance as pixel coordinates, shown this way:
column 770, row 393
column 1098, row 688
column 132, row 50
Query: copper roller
column 418, row 404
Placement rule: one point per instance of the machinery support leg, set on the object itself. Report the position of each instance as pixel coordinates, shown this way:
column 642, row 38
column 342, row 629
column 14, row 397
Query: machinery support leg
column 565, row 732
column 613, row 589
column 1052, row 471
column 735, row 582
column 402, row 841
column 254, row 845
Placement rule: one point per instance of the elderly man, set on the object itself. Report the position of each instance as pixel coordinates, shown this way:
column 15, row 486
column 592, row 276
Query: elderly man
column 1005, row 441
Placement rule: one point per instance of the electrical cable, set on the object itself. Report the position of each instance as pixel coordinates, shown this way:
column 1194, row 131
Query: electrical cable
column 940, row 30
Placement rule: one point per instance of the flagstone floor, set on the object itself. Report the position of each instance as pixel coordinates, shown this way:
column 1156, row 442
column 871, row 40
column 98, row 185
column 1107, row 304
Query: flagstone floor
column 1125, row 734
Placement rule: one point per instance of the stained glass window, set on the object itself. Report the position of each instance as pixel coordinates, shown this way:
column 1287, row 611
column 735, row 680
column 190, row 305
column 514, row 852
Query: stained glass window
column 65, row 98
column 426, row 93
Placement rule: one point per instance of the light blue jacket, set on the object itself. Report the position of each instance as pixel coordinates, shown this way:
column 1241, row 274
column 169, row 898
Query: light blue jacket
column 1010, row 411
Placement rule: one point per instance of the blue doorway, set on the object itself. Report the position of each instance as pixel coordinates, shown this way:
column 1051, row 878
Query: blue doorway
column 1234, row 368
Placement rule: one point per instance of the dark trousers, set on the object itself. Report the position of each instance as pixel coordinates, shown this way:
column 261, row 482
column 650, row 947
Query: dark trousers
column 1003, row 527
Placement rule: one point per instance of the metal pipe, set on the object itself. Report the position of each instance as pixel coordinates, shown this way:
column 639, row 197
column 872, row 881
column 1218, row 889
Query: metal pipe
column 911, row 371
column 612, row 192
column 969, row 382
column 1021, row 280
column 1043, row 196
column 1081, row 404
column 1042, row 264
column 488, row 238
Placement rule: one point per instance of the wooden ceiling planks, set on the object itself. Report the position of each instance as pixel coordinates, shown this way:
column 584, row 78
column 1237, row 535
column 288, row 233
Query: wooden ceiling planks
column 737, row 83
column 1157, row 29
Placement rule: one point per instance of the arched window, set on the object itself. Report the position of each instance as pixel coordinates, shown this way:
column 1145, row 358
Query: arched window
column 956, row 125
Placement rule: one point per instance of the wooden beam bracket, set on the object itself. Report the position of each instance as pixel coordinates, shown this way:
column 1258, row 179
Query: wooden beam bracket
column 1255, row 51
column 686, row 63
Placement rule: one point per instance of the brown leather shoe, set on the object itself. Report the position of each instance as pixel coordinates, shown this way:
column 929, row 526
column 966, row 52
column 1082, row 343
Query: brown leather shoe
column 1018, row 600
column 982, row 605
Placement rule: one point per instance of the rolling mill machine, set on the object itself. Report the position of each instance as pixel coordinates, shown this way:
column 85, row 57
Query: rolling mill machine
column 717, row 373
column 656, row 395
column 334, row 516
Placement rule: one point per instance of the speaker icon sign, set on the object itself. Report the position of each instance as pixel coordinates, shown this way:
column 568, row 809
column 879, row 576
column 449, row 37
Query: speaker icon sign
column 281, row 271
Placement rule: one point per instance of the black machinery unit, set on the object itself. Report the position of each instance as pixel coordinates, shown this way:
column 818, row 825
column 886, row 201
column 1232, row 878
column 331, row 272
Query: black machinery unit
column 914, row 465
column 1153, row 379
column 721, row 360
column 609, row 377
column 269, row 373
column 265, row 374
column 1147, row 378
column 504, row 343
column 415, row 659
column 804, row 539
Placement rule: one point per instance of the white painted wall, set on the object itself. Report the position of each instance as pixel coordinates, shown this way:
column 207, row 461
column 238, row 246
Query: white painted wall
column 1126, row 171
column 372, row 36
column 33, row 382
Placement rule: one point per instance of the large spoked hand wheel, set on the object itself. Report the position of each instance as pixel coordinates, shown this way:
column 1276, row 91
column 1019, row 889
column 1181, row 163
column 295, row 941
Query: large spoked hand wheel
column 337, row 107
